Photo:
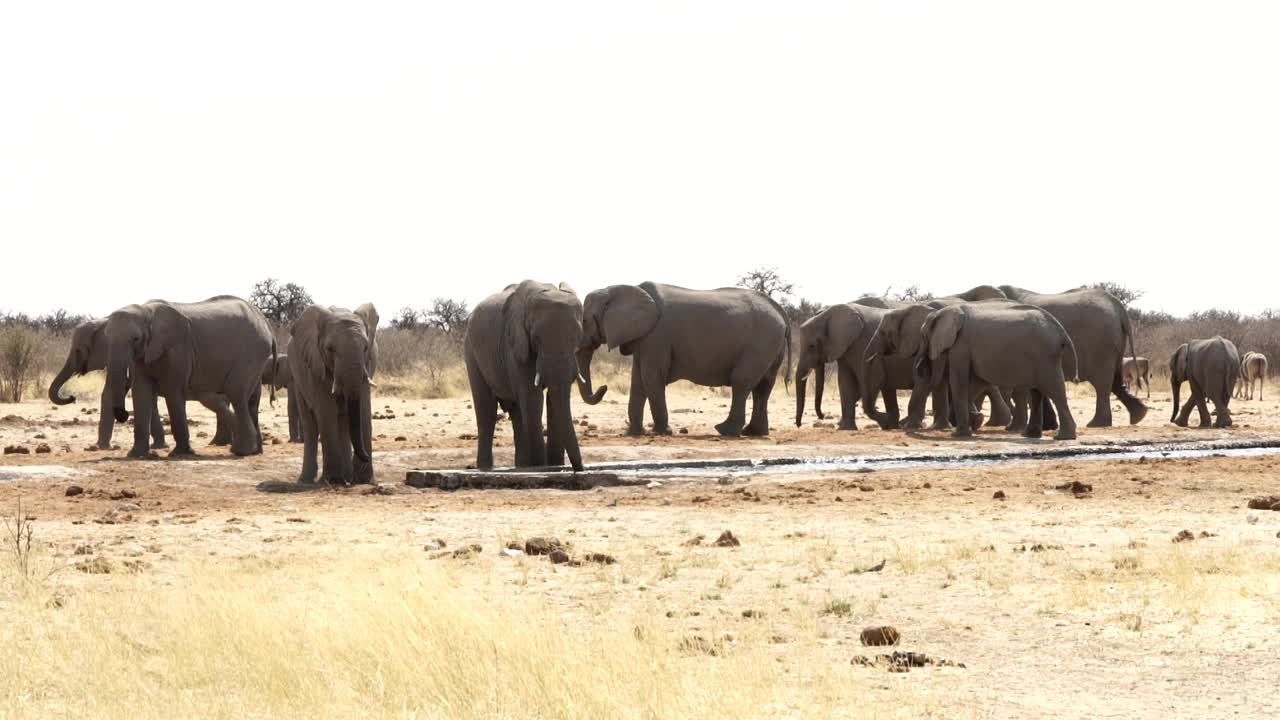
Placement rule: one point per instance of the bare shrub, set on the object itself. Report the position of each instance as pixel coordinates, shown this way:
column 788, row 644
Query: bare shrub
column 19, row 531
column 281, row 303
column 422, row 361
column 19, row 353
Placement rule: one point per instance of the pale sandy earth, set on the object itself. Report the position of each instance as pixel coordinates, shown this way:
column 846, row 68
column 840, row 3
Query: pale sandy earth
column 1110, row 619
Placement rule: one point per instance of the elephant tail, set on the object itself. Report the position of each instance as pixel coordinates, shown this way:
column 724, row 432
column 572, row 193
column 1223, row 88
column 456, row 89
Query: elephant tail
column 786, row 376
column 274, row 368
column 1075, row 357
column 1126, row 326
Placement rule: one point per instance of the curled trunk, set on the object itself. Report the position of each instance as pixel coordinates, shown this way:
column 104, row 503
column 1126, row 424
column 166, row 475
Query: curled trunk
column 874, row 381
column 589, row 396
column 55, row 388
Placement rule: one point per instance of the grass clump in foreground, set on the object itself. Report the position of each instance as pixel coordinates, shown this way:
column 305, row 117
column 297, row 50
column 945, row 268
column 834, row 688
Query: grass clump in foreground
column 374, row 635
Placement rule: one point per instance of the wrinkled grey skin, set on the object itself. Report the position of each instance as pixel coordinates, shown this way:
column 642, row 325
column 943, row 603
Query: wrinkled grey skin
column 88, row 352
column 1002, row 344
column 275, row 373
column 1137, row 373
column 898, row 338
column 333, row 357
column 841, row 334
column 188, row 350
column 1212, row 367
column 1253, row 368
column 727, row 337
column 521, row 353
column 848, row 398
column 1099, row 326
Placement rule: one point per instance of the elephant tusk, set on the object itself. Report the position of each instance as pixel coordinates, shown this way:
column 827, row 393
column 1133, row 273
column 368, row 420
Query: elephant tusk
column 582, row 379
column 370, row 383
column 334, row 390
column 537, row 379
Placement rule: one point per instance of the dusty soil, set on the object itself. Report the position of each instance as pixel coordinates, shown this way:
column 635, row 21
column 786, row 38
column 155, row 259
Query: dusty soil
column 1058, row 604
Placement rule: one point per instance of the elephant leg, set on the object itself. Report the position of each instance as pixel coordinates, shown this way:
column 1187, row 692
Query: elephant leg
column 1224, row 411
column 333, row 438
column 555, row 445
column 1048, row 418
column 520, row 443
column 1000, row 413
column 255, row 404
column 310, row 430
column 759, row 425
column 915, row 407
column 1064, row 422
column 892, row 418
column 144, row 393
column 635, row 402
column 959, row 367
column 244, row 439
column 1102, row 402
column 1035, row 418
column 224, row 430
column 941, row 407
column 1137, row 411
column 485, row 406
column 732, row 426
column 295, row 427
column 1018, row 418
column 157, row 426
column 106, row 420
column 529, row 406
column 176, row 402
column 848, row 397
column 655, row 388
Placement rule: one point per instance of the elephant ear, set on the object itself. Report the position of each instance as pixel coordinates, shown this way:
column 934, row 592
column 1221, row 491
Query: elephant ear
column 369, row 315
column 1178, row 363
column 844, row 325
column 565, row 287
column 305, row 341
column 942, row 328
column 909, row 336
column 168, row 332
column 514, row 314
column 628, row 315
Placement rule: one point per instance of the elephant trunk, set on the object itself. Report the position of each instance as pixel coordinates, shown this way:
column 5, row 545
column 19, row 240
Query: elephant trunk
column 55, row 388
column 874, row 380
column 801, row 382
column 562, row 423
column 1176, row 382
column 590, row 397
column 118, row 380
column 819, row 384
column 352, row 389
column 356, row 402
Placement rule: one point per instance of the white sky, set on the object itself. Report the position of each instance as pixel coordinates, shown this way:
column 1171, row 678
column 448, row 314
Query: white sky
column 454, row 147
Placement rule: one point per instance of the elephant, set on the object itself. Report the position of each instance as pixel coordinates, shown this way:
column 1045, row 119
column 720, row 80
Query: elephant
column 898, row 339
column 216, row 346
column 841, row 334
column 88, row 352
column 521, row 350
column 729, row 336
column 1003, row 344
column 275, row 373
column 1099, row 326
column 1137, row 373
column 1253, row 366
column 1212, row 367
column 333, row 358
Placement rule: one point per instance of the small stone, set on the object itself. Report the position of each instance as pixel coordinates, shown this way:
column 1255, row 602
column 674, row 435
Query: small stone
column 926, row 486
column 16, row 450
column 600, row 558
column 880, row 635
column 130, row 507
column 999, row 495
column 1184, row 536
column 401, row 438
column 559, row 556
column 43, row 449
column 653, row 485
column 727, row 539
column 74, row 490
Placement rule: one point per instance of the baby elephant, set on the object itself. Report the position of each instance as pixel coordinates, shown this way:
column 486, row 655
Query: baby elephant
column 1212, row 367
column 276, row 373
column 1253, row 366
column 1137, row 372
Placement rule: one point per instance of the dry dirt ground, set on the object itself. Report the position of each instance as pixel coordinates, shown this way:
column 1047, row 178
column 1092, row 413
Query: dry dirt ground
column 1057, row 604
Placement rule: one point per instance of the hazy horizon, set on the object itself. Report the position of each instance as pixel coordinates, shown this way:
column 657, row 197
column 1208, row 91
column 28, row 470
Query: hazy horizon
column 457, row 148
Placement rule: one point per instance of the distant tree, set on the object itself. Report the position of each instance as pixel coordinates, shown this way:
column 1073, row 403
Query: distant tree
column 802, row 311
column 909, row 294
column 449, row 315
column 60, row 322
column 407, row 319
column 1124, row 294
column 768, row 282
column 18, row 346
column 282, row 303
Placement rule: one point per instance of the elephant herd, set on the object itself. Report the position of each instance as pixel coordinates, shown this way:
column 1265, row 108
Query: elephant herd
column 527, row 345
column 220, row 352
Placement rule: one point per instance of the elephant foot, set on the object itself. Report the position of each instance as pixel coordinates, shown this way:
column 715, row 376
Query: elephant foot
column 889, row 425
column 635, row 431
column 182, row 451
column 1065, row 434
column 363, row 473
column 1136, row 414
column 961, row 433
column 295, row 439
column 754, row 431
column 940, row 426
column 1015, row 427
column 662, row 430
column 244, row 452
column 728, row 429
column 1033, row 433
column 157, row 445
column 219, row 442
column 1098, row 422
column 847, row 425
column 142, row 454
